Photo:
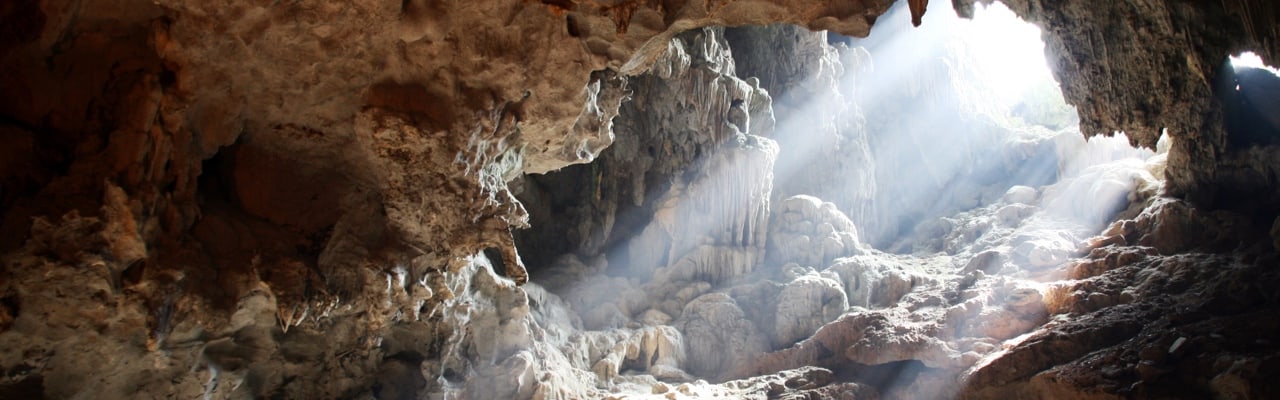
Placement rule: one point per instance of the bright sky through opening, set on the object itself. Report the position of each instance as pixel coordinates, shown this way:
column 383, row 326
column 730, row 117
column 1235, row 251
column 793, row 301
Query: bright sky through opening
column 1007, row 49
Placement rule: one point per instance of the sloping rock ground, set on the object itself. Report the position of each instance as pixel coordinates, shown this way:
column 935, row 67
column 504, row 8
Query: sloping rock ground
column 293, row 199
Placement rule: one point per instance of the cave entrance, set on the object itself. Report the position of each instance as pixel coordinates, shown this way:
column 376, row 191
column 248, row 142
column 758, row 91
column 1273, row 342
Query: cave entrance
column 896, row 130
column 769, row 181
column 1249, row 92
column 950, row 114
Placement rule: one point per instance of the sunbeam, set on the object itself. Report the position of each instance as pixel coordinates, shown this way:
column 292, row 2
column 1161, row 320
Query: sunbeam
column 1248, row 93
column 931, row 178
column 1008, row 52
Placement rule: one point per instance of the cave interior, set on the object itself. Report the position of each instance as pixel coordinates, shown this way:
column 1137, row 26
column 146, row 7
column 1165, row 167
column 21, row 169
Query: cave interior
column 639, row 199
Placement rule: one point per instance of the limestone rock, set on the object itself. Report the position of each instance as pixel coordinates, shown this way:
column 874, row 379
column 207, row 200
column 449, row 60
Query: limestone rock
column 712, row 264
column 1020, row 195
column 717, row 336
column 1100, row 191
column 806, row 304
column 1044, row 252
column 676, row 157
column 874, row 281
column 808, row 231
column 823, row 130
column 121, row 230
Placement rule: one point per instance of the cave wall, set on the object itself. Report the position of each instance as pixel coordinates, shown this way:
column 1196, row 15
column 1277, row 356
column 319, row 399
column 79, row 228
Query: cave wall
column 823, row 128
column 244, row 182
column 1145, row 66
column 678, row 115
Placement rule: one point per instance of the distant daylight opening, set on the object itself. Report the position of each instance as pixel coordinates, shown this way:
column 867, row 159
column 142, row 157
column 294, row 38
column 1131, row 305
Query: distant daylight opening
column 907, row 200
column 1250, row 94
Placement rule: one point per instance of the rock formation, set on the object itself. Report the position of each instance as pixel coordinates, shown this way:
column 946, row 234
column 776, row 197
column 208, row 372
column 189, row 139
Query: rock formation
column 1095, row 63
column 604, row 199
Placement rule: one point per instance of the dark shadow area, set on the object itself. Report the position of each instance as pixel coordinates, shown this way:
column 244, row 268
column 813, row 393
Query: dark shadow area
column 29, row 387
column 884, row 377
column 1251, row 106
column 594, row 209
column 236, row 244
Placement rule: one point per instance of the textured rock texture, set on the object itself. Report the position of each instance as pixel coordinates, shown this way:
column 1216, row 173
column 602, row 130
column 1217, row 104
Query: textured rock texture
column 1151, row 316
column 352, row 158
column 1145, row 66
column 691, row 106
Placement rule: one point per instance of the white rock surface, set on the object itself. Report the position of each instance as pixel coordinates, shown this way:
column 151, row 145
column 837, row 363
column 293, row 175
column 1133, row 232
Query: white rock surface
column 718, row 336
column 807, row 231
column 805, row 304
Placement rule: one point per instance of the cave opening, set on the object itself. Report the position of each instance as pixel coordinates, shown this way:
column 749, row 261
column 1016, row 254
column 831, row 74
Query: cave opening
column 769, row 182
column 882, row 161
column 1251, row 108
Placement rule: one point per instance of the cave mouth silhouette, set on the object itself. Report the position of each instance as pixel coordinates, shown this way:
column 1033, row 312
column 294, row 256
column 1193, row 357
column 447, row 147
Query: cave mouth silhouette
column 1250, row 95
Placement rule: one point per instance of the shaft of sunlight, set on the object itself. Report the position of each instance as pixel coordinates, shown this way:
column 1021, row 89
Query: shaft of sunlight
column 1008, row 50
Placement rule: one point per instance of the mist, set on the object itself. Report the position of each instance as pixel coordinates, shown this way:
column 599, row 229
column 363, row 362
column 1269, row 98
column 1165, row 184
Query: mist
column 932, row 179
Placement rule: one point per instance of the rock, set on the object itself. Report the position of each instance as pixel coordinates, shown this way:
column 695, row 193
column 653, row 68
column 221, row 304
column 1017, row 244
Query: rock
column 806, row 206
column 1013, row 215
column 1171, row 226
column 1149, row 372
column 1235, row 382
column 1043, row 252
column 999, row 324
column 1275, row 233
column 807, row 231
column 714, row 264
column 718, row 337
column 181, row 179
column 1020, row 195
column 653, row 317
column 124, row 239
column 1026, row 301
column 603, row 317
column 804, row 305
column 1098, row 193
column 871, row 281
column 987, row 261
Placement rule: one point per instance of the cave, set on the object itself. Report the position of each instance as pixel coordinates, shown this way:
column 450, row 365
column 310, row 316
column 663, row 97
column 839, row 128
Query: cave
column 1249, row 110
column 639, row 199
